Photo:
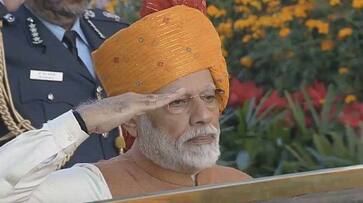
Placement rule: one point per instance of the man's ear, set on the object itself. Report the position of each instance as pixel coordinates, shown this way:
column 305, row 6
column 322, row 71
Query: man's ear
column 130, row 127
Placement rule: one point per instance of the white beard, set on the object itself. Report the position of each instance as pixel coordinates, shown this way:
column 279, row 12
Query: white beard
column 177, row 155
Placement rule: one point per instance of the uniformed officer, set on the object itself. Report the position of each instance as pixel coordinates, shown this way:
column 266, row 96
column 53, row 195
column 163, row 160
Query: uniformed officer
column 49, row 67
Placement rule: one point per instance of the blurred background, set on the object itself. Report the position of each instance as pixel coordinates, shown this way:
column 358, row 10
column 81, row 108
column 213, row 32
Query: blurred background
column 296, row 71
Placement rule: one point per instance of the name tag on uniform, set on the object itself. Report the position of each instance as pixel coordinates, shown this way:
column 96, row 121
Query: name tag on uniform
column 46, row 75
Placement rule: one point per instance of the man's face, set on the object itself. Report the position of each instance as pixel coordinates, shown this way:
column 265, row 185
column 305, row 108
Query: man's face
column 183, row 137
column 58, row 10
column 12, row 5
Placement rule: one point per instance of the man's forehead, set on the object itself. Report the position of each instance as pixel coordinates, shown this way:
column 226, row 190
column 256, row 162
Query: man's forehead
column 193, row 83
column 190, row 90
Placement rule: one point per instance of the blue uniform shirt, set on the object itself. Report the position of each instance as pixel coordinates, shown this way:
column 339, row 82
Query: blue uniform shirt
column 83, row 48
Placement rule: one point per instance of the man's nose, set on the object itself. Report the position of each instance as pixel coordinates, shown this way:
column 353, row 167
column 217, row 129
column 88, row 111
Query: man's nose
column 200, row 113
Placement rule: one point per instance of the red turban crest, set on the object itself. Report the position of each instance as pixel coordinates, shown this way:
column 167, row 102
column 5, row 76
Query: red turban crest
column 151, row 6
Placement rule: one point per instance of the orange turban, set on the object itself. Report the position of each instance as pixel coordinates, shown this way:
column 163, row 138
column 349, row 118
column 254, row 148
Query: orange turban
column 159, row 49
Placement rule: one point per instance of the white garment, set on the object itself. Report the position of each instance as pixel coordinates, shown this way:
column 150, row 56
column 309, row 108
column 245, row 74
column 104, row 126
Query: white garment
column 28, row 166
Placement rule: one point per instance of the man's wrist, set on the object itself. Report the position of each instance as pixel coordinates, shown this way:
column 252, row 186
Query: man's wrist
column 80, row 121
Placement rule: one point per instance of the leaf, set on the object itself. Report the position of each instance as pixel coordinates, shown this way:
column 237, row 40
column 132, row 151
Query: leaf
column 339, row 148
column 329, row 161
column 311, row 109
column 322, row 144
column 262, row 102
column 297, row 113
column 325, row 112
column 250, row 107
column 301, row 155
column 352, row 140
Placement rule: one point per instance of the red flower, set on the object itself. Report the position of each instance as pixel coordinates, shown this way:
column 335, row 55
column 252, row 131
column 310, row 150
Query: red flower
column 317, row 93
column 274, row 100
column 298, row 97
column 352, row 115
column 241, row 92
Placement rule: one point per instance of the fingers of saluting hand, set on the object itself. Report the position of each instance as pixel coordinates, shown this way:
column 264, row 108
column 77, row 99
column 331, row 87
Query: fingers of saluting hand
column 153, row 101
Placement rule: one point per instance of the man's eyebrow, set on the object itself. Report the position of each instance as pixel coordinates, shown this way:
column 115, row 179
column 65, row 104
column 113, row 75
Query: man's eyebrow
column 210, row 86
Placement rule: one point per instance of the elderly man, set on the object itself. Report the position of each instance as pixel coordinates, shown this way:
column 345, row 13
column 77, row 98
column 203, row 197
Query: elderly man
column 176, row 88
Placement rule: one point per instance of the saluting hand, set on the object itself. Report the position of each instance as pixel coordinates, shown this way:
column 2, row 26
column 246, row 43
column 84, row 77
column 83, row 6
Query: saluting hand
column 106, row 114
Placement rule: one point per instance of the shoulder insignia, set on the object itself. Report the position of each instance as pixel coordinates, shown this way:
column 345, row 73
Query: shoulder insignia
column 112, row 16
column 33, row 29
column 88, row 15
column 101, row 15
column 10, row 18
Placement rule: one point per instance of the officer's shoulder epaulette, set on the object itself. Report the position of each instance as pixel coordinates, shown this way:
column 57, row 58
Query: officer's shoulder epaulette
column 101, row 15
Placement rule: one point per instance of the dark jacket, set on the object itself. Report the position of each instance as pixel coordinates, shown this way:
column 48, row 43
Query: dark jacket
column 40, row 101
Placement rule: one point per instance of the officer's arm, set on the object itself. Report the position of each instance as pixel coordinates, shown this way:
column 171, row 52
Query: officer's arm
column 28, row 159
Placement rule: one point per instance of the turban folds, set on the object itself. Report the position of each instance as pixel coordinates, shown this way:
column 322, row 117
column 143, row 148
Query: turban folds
column 159, row 49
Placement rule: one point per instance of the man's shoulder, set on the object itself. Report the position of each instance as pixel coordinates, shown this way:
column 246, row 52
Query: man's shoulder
column 85, row 180
column 118, row 163
column 103, row 22
column 103, row 16
column 230, row 172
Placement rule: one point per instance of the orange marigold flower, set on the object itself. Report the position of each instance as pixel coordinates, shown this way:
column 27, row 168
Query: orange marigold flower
column 358, row 4
column 343, row 70
column 284, row 32
column 311, row 24
column 350, row 99
column 334, row 2
column 300, row 12
column 222, row 12
column 273, row 4
column 344, row 33
column 256, row 4
column 246, row 61
column 259, row 34
column 323, row 28
column 213, row 11
column 240, row 24
column 326, row 45
column 246, row 38
column 110, row 6
column 242, row 9
column 225, row 29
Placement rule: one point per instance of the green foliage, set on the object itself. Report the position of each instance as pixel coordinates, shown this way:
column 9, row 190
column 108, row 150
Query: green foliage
column 269, row 145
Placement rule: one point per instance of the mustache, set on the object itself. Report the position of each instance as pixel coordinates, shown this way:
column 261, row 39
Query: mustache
column 200, row 131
